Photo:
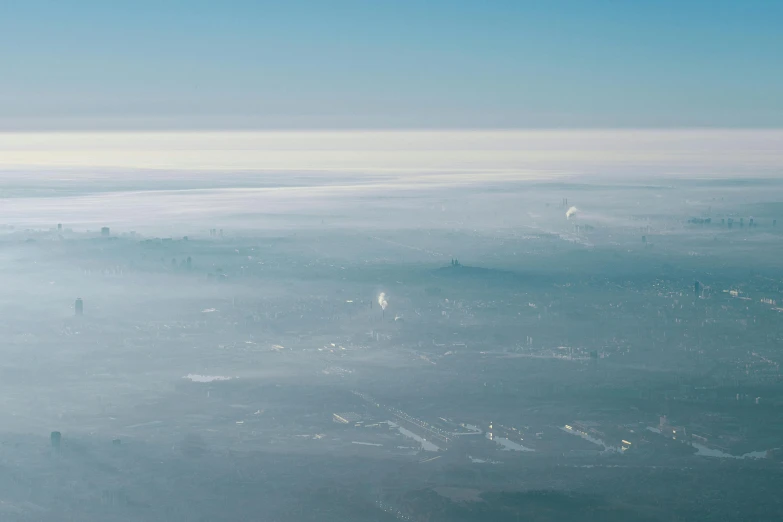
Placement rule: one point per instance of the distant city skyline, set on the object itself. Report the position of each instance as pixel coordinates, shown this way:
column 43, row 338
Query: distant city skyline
column 198, row 65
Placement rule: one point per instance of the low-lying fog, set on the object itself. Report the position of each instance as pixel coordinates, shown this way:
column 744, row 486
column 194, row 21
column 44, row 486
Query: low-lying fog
column 368, row 326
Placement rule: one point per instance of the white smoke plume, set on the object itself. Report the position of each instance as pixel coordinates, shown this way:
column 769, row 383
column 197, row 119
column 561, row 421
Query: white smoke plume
column 571, row 211
column 382, row 300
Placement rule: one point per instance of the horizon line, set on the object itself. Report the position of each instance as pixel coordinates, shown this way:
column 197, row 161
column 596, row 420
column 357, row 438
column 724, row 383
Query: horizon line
column 296, row 130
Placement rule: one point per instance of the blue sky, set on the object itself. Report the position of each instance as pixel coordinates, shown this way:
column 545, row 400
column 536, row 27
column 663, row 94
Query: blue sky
column 390, row 64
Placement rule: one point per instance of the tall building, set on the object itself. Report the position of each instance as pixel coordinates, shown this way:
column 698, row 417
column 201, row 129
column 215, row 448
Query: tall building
column 55, row 438
column 105, row 231
column 697, row 289
column 79, row 306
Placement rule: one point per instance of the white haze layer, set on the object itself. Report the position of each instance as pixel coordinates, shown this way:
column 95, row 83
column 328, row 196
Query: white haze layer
column 178, row 182
column 514, row 153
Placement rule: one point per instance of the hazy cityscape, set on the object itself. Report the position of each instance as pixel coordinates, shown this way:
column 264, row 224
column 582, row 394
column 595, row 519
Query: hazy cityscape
column 423, row 261
column 511, row 350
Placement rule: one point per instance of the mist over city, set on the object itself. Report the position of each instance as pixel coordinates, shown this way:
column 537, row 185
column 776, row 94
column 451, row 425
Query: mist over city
column 431, row 261
column 396, row 344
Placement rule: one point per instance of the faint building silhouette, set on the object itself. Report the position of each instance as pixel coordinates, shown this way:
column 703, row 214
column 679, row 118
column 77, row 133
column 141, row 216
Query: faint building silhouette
column 79, row 306
column 105, row 231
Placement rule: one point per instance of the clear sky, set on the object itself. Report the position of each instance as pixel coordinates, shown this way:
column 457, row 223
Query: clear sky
column 192, row 64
